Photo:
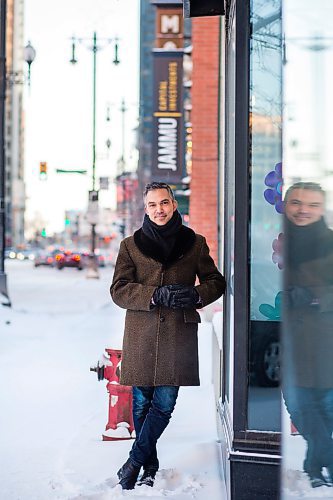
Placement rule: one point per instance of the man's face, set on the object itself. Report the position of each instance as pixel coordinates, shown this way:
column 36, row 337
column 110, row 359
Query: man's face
column 304, row 207
column 159, row 206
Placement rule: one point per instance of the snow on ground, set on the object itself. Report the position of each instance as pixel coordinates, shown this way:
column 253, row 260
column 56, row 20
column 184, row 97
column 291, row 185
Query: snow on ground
column 53, row 409
column 295, row 483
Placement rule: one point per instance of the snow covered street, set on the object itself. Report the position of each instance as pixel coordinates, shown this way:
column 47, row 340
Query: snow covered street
column 53, row 409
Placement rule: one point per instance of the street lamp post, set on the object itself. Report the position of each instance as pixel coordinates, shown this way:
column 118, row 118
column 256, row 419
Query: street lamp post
column 93, row 224
column 93, row 194
column 29, row 56
column 3, row 279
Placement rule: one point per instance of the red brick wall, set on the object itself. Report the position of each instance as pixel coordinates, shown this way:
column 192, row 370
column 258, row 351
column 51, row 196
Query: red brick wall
column 204, row 183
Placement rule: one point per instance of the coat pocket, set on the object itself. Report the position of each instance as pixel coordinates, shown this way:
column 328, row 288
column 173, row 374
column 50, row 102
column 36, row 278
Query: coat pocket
column 191, row 316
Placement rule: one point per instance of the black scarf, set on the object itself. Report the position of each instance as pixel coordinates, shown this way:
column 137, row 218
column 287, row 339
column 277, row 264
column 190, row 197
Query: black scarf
column 305, row 243
column 164, row 236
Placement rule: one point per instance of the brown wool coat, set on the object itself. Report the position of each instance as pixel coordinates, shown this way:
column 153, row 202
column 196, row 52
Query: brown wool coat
column 160, row 345
column 308, row 330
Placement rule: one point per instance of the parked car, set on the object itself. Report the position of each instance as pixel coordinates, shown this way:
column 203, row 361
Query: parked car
column 264, row 350
column 25, row 254
column 44, row 258
column 265, row 353
column 10, row 253
column 100, row 258
column 69, row 259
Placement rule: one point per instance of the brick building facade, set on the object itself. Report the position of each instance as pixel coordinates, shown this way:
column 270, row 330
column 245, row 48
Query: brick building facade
column 205, row 97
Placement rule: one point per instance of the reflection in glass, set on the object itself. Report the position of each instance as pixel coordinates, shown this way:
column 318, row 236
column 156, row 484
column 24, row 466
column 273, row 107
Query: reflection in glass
column 308, row 254
column 308, row 336
column 266, row 219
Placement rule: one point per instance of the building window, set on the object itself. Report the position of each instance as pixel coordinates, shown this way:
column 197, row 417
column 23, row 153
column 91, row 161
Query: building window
column 265, row 228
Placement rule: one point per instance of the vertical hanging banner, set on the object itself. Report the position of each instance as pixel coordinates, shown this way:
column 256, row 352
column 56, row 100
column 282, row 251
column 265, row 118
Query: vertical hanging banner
column 168, row 120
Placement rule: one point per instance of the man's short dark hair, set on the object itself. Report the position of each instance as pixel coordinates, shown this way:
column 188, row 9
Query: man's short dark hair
column 309, row 186
column 157, row 185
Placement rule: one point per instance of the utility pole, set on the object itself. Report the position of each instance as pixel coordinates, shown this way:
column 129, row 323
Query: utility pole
column 123, row 110
column 93, row 194
column 3, row 278
column 93, row 225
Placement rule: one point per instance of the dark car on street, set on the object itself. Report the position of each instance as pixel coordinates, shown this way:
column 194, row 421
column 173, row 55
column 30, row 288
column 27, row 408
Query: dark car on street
column 69, row 258
column 44, row 258
column 100, row 258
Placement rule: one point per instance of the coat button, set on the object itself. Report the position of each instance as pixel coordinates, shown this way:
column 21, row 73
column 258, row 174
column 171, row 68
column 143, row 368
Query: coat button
column 162, row 318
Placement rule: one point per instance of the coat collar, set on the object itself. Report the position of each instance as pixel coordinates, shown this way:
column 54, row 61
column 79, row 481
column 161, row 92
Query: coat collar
column 184, row 242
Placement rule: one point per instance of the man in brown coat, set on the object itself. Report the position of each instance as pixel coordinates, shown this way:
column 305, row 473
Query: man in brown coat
column 154, row 279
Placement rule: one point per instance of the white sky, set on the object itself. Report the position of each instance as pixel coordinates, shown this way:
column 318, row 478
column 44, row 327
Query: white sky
column 59, row 105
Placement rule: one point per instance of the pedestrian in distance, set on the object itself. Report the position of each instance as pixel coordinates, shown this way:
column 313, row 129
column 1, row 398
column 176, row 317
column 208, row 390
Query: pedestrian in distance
column 308, row 320
column 155, row 281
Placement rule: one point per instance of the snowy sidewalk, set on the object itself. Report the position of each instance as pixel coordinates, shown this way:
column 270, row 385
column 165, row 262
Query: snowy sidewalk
column 188, row 450
column 54, row 410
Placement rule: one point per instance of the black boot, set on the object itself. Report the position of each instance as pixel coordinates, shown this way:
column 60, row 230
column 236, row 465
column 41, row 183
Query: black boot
column 147, row 478
column 315, row 475
column 317, row 479
column 128, row 475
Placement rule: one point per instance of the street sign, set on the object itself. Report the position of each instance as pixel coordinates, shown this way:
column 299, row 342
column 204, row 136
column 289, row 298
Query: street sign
column 93, row 212
column 75, row 171
column 92, row 216
column 104, row 183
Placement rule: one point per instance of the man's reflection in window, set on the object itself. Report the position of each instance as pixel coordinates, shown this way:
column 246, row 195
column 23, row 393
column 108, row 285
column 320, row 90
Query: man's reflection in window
column 308, row 327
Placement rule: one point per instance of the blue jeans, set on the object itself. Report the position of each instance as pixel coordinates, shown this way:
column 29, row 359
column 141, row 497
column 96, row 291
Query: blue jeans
column 152, row 410
column 311, row 411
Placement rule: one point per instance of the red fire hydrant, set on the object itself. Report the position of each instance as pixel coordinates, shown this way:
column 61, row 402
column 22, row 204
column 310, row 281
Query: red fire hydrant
column 120, row 423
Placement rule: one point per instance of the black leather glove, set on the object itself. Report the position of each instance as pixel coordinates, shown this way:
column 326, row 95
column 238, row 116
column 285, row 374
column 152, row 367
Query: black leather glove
column 187, row 297
column 165, row 295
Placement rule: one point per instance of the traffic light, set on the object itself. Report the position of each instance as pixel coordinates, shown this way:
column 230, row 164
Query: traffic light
column 42, row 170
column 43, row 232
column 93, row 196
column 67, row 219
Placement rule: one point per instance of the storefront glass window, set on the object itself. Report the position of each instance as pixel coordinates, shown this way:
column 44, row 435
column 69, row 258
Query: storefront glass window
column 230, row 214
column 307, row 388
column 265, row 228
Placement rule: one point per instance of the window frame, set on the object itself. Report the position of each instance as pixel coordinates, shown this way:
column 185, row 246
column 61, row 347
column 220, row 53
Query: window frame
column 243, row 439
